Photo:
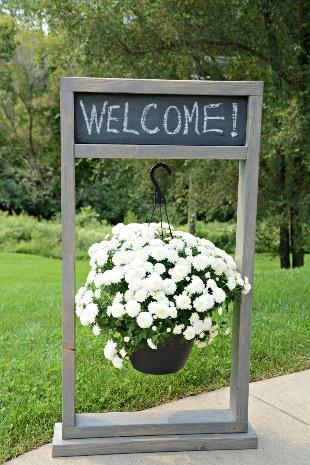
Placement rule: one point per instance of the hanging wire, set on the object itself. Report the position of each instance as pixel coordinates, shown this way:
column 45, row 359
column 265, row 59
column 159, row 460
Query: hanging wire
column 159, row 198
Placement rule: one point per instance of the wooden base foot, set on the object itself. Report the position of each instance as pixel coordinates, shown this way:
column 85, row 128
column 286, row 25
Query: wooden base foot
column 159, row 443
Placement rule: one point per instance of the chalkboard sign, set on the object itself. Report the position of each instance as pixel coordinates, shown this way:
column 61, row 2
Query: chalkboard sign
column 139, row 119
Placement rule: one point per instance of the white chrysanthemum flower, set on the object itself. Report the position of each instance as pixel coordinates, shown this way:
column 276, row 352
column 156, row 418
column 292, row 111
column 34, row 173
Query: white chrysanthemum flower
column 200, row 262
column 194, row 317
column 173, row 313
column 219, row 295
column 126, row 339
column 189, row 333
column 231, row 263
column 154, row 282
column 151, row 344
column 176, row 244
column 159, row 268
column 117, row 362
column 149, row 267
column 79, row 309
column 159, row 253
column 198, row 326
column 123, row 353
column 129, row 294
column 79, row 295
column 97, row 293
column 91, row 276
column 162, row 310
column 178, row 329
column 89, row 314
column 134, row 274
column 135, row 285
column 144, row 320
column 207, row 323
column 132, row 308
column 96, row 330
column 159, row 296
column 200, row 344
column 141, row 295
column 179, row 272
column 118, row 228
column 196, row 286
column 172, row 256
column 93, row 249
column 87, row 297
column 231, row 283
column 247, row 286
column 101, row 257
column 169, row 286
column 183, row 301
column 117, row 310
column 219, row 266
column 211, row 284
column 110, row 349
column 239, row 279
column 203, row 302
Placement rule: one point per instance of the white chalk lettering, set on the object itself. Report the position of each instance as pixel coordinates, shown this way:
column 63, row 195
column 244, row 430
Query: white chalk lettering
column 177, row 129
column 112, row 118
column 234, row 119
column 143, row 118
column 93, row 117
column 206, row 118
column 190, row 116
column 125, row 124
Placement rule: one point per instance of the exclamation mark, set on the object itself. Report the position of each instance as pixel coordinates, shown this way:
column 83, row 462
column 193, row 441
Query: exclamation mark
column 234, row 119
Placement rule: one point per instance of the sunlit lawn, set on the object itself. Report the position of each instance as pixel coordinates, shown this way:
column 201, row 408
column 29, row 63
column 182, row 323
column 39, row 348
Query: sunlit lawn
column 30, row 350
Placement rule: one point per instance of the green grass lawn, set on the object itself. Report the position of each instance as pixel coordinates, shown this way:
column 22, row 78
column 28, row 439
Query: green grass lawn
column 30, row 350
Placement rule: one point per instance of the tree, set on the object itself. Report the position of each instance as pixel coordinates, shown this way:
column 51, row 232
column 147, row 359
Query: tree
column 172, row 39
column 237, row 39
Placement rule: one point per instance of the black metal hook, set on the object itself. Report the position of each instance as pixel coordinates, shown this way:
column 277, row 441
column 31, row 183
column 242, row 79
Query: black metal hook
column 159, row 197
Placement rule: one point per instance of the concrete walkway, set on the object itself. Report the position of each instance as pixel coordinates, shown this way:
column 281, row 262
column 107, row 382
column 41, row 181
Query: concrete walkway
column 279, row 412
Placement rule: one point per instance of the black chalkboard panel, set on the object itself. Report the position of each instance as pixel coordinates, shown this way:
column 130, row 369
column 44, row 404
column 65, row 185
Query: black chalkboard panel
column 144, row 119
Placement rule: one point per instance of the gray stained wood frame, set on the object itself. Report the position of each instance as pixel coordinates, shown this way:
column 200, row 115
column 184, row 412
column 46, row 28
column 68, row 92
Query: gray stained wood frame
column 228, row 422
column 157, row 443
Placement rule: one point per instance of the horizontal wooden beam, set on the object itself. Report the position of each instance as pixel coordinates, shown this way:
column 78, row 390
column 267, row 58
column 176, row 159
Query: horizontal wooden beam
column 161, row 86
column 160, row 151
column 173, row 443
column 150, row 423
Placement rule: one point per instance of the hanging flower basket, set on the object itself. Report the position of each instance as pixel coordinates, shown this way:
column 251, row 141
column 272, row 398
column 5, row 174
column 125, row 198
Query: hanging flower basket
column 149, row 284
column 168, row 357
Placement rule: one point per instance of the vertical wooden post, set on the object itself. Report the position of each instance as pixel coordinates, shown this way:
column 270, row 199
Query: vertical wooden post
column 68, row 255
column 245, row 249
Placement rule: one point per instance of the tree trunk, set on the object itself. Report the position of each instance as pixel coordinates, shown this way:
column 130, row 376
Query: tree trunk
column 284, row 248
column 296, row 239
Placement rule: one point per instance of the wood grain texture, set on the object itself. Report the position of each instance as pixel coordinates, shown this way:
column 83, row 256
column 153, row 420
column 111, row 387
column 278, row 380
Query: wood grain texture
column 68, row 387
column 138, row 444
column 245, row 249
column 152, row 423
column 160, row 151
column 68, row 253
column 160, row 86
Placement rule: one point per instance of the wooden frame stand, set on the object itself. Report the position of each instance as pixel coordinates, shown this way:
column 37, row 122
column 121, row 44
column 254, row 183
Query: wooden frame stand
column 112, row 433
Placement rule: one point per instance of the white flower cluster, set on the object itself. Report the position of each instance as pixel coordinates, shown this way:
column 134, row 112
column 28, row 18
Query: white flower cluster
column 156, row 286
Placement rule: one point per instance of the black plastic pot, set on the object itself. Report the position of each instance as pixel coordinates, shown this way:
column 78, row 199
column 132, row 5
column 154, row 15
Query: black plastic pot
column 167, row 358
